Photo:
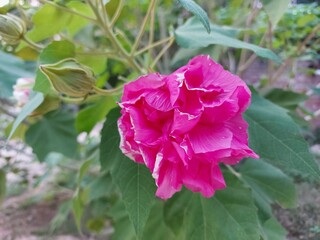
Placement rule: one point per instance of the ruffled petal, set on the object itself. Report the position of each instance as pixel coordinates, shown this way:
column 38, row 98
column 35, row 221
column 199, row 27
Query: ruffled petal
column 183, row 122
column 159, row 99
column 203, row 177
column 207, row 138
column 169, row 179
column 134, row 90
column 127, row 144
column 144, row 132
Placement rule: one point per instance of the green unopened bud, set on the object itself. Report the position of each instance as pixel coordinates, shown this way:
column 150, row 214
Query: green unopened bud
column 12, row 29
column 70, row 77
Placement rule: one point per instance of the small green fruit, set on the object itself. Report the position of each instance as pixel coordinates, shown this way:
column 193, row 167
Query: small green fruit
column 12, row 29
column 69, row 77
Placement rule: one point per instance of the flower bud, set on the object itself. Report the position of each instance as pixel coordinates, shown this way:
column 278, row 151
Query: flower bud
column 12, row 29
column 70, row 77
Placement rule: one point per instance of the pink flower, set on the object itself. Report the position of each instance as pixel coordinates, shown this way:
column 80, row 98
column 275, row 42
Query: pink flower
column 181, row 126
column 22, row 90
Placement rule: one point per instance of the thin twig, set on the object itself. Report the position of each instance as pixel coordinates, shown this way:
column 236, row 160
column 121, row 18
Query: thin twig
column 246, row 37
column 163, row 51
column 242, row 67
column 111, row 36
column 153, row 45
column 143, row 26
column 117, row 14
column 32, row 44
column 234, row 172
column 151, row 31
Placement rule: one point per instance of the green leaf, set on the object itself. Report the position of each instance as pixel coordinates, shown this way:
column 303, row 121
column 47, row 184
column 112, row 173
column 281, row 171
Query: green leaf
column 85, row 166
column 101, row 186
column 55, row 132
column 109, row 149
column 287, row 99
column 185, row 38
column 134, row 180
column 275, row 10
column 193, row 7
column 11, row 68
column 48, row 21
column 88, row 117
column 3, row 185
column 81, row 196
column 77, row 209
column 155, row 228
column 275, row 136
column 77, row 22
column 54, row 52
column 264, row 180
column 174, row 210
column 30, row 106
column 137, row 188
column 123, row 228
column 273, row 230
column 230, row 214
column 303, row 20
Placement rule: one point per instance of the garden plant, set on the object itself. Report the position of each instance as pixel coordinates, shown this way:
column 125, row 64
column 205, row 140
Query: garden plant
column 146, row 105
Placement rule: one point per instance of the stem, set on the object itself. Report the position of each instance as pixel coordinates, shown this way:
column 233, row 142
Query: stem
column 109, row 33
column 73, row 100
column 234, row 172
column 123, row 35
column 67, row 10
column 116, row 15
column 104, row 13
column 246, row 37
column 32, row 44
column 270, row 62
column 143, row 26
column 245, row 65
column 153, row 45
column 107, row 92
column 151, row 32
column 163, row 51
column 110, row 54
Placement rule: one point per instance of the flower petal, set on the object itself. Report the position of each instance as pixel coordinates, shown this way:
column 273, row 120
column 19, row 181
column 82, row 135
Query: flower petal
column 207, row 138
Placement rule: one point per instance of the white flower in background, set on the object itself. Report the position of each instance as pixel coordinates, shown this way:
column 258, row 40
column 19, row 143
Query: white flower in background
column 22, row 90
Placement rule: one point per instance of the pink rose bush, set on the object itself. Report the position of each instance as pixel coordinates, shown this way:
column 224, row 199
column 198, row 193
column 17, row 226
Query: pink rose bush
column 182, row 125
